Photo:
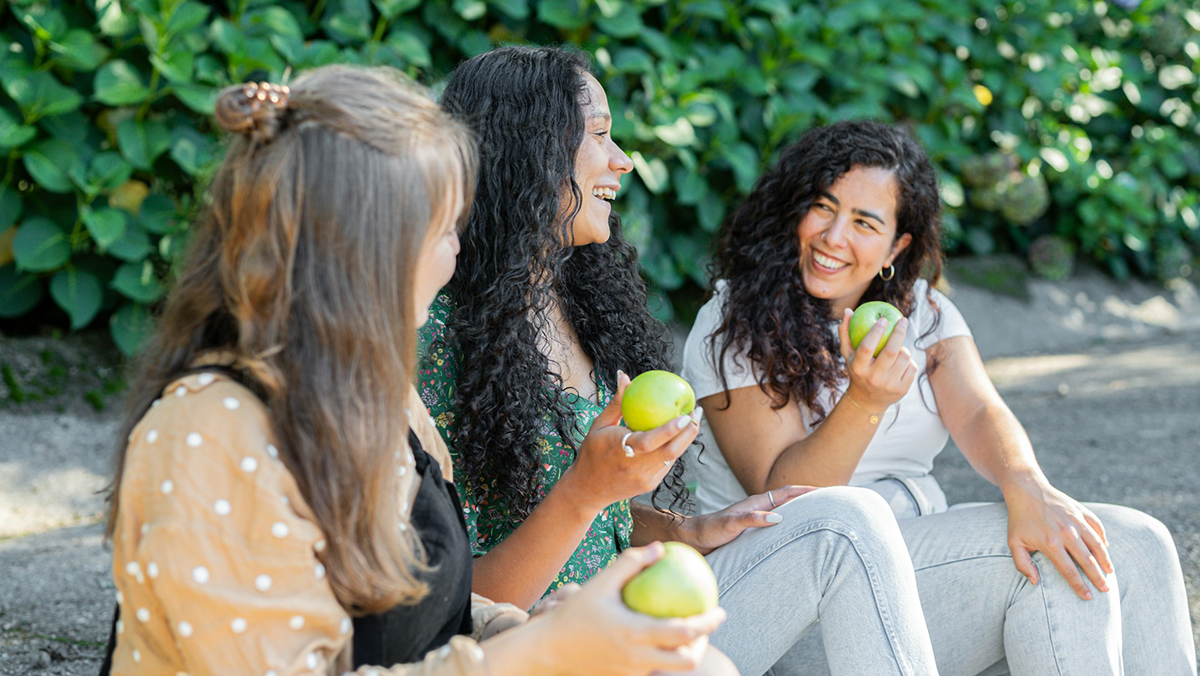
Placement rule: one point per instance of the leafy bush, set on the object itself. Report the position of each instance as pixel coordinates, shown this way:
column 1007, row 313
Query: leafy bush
column 105, row 104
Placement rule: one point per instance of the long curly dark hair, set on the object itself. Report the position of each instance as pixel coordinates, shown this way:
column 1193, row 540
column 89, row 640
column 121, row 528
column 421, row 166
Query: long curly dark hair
column 768, row 315
column 524, row 105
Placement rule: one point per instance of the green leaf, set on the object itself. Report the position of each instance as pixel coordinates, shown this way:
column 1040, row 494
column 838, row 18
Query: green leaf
column 40, row 245
column 653, row 172
column 410, row 48
column 470, row 10
column 199, row 98
column 566, row 14
column 227, row 37
column 157, row 214
column 12, row 132
column 130, row 327
column 37, row 93
column 137, row 281
column 710, row 210
column 191, row 150
column 119, row 84
column 19, row 293
column 10, row 206
column 744, row 160
column 187, row 16
column 176, row 65
column 79, row 293
column 78, row 50
column 391, row 9
column 106, row 225
column 680, row 133
column 142, row 142
column 133, row 246
column 49, row 162
column 627, row 22
column 348, row 28
column 516, row 9
column 109, row 171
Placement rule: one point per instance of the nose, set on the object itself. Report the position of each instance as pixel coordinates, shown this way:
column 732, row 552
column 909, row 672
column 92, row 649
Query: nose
column 618, row 161
column 835, row 234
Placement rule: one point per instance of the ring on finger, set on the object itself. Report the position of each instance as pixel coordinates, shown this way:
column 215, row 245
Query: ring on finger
column 772, row 499
column 625, row 445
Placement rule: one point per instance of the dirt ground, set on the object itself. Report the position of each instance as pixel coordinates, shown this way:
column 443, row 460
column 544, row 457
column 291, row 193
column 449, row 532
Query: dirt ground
column 1106, row 378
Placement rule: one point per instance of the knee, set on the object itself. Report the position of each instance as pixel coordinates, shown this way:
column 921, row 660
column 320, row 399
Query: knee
column 1130, row 528
column 854, row 510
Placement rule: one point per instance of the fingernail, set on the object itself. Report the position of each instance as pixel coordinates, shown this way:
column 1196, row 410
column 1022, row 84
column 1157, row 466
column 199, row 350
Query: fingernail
column 903, row 322
column 698, row 413
column 1087, row 596
column 683, row 422
column 882, row 322
column 774, row 518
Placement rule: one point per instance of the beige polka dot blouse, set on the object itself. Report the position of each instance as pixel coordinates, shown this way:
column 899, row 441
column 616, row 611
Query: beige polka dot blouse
column 217, row 557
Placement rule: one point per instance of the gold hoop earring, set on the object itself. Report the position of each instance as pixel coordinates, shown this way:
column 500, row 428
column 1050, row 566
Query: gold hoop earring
column 890, row 274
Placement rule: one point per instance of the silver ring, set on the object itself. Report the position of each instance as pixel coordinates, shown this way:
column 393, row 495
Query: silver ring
column 666, row 463
column 772, row 499
column 626, row 446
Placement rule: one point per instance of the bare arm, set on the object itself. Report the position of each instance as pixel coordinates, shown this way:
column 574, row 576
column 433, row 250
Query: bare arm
column 767, row 447
column 1040, row 517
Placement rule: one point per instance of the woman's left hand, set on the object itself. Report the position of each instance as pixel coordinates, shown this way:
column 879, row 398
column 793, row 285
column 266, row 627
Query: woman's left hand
column 709, row 531
column 1043, row 519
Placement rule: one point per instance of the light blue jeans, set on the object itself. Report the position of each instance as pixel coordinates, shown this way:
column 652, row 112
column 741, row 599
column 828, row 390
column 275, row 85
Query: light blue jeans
column 838, row 556
column 985, row 618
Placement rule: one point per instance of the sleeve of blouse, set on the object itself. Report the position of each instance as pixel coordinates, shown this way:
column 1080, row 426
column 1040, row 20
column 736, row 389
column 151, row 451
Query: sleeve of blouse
column 950, row 324
column 230, row 565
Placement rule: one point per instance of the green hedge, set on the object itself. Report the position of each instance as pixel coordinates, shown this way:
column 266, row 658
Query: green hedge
column 1068, row 118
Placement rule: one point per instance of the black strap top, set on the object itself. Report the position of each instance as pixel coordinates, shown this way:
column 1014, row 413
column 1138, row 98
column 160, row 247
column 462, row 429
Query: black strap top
column 406, row 633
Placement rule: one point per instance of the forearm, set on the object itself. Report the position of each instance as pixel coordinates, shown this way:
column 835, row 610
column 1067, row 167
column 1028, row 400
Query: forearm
column 519, row 570
column 997, row 446
column 651, row 525
column 830, row 455
column 522, row 651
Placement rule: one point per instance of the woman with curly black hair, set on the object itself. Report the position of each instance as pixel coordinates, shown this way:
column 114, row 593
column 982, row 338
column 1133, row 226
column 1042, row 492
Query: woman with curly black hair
column 850, row 214
column 528, row 348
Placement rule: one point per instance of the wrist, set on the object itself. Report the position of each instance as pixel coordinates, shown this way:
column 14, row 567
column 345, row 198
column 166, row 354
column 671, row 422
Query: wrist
column 527, row 650
column 859, row 400
column 1028, row 481
column 572, row 500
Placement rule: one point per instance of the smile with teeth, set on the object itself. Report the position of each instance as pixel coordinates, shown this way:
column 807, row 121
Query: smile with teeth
column 827, row 262
column 604, row 193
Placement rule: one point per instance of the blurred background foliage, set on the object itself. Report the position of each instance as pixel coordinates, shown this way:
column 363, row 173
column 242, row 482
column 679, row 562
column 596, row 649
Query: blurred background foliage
column 1062, row 129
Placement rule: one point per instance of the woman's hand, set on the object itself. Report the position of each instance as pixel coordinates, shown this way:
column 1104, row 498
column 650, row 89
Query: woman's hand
column 709, row 531
column 604, row 473
column 593, row 627
column 877, row 382
column 1043, row 519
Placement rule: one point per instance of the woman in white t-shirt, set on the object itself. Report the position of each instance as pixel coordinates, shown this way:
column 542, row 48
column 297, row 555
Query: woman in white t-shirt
column 851, row 214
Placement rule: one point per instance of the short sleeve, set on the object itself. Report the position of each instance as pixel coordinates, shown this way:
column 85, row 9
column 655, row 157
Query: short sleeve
column 700, row 355
column 936, row 317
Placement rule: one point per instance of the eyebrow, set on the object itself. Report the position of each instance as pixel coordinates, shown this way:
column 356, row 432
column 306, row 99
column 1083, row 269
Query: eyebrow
column 860, row 212
column 599, row 116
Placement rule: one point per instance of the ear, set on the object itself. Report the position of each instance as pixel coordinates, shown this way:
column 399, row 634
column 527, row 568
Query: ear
column 898, row 246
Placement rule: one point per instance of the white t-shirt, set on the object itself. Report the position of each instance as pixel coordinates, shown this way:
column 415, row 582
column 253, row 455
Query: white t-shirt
column 910, row 434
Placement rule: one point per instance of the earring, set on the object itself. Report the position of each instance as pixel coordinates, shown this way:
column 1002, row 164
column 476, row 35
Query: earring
column 891, row 274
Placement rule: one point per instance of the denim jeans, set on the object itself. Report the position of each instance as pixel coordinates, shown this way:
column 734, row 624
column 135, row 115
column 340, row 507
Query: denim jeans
column 985, row 618
column 838, row 556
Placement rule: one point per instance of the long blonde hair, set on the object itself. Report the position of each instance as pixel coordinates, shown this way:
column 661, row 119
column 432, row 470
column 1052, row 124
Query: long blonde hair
column 302, row 272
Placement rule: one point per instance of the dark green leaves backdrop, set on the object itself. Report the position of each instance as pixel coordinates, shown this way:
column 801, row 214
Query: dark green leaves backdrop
column 1062, row 128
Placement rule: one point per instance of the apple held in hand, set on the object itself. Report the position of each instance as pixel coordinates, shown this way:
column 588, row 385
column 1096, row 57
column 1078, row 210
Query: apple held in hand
column 654, row 398
column 865, row 317
column 680, row 584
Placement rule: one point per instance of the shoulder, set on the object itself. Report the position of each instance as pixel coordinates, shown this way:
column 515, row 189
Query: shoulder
column 935, row 312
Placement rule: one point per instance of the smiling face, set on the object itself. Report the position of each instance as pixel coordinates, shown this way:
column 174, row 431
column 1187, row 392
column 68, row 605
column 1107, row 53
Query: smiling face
column 599, row 165
column 849, row 235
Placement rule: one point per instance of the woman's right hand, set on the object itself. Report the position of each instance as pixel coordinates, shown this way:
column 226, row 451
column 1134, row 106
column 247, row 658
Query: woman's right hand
column 603, row 474
column 877, row 382
column 594, row 627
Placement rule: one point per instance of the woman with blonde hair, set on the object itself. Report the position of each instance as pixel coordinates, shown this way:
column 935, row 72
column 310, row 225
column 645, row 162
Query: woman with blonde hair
column 274, row 511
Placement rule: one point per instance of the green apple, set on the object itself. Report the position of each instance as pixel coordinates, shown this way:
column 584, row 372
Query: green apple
column 654, row 398
column 680, row 584
column 865, row 317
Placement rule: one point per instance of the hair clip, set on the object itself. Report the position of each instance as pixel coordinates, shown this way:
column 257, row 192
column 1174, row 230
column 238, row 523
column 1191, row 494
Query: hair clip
column 260, row 92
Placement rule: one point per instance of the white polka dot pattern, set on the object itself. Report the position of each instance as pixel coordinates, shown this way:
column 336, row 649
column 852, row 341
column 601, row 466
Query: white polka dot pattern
column 319, row 571
column 200, row 574
column 181, row 390
column 238, row 626
column 346, row 625
column 249, row 464
column 262, row 583
column 167, row 486
column 221, row 507
column 152, row 570
column 152, row 436
column 143, row 615
column 279, row 529
column 311, row 660
column 205, row 379
column 272, row 451
column 120, row 626
column 231, row 403
column 194, row 439
column 297, row 622
column 185, row 629
column 137, row 656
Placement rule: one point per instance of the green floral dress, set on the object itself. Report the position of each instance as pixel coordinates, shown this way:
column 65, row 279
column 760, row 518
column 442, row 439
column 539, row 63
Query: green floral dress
column 489, row 519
